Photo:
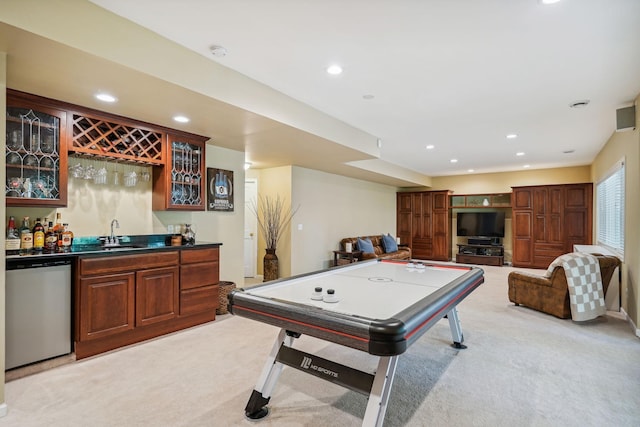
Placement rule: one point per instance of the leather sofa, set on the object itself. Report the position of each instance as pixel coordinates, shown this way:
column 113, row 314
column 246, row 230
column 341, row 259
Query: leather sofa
column 403, row 252
column 551, row 294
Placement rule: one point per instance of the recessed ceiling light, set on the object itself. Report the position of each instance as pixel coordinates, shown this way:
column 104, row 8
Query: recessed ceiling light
column 471, row 170
column 549, row 1
column 368, row 96
column 569, row 151
column 579, row 104
column 526, row 166
column 105, row 97
column 520, row 153
column 430, row 147
column 181, row 119
column 454, row 160
column 218, row 51
column 512, row 136
column 334, row 69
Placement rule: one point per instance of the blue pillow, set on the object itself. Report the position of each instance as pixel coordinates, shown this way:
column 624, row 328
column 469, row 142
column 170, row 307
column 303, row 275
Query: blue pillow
column 365, row 246
column 389, row 243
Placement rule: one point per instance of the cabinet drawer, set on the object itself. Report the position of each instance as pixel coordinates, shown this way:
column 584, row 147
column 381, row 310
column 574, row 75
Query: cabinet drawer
column 198, row 275
column 112, row 264
column 198, row 300
column 189, row 256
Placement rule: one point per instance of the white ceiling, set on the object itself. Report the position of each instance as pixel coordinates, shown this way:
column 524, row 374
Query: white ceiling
column 460, row 75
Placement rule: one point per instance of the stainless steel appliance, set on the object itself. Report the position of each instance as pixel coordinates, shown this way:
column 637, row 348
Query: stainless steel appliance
column 38, row 309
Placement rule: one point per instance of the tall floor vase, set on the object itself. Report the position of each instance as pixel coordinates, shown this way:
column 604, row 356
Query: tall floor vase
column 270, row 265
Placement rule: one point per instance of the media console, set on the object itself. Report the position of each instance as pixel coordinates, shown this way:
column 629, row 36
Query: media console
column 484, row 254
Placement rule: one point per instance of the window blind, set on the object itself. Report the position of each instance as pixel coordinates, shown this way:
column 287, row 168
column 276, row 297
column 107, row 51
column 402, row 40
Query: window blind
column 610, row 194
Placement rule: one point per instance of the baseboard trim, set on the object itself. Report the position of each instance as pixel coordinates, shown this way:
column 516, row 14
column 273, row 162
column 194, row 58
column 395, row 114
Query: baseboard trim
column 4, row 409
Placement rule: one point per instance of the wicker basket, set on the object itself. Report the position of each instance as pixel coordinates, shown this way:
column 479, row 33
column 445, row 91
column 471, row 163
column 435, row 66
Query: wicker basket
column 224, row 288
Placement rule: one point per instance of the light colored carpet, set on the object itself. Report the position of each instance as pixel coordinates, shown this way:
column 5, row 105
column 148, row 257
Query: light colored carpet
column 522, row 368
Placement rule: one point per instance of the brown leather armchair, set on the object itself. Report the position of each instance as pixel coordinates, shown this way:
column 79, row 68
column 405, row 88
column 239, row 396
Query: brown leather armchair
column 551, row 294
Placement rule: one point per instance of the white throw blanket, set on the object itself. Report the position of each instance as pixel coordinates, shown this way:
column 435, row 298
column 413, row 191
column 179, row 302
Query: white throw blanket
column 586, row 296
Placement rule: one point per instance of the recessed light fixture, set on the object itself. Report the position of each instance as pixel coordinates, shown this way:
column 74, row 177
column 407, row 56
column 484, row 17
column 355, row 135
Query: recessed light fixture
column 568, row 151
column 512, row 136
column 334, row 69
column 579, row 104
column 218, row 51
column 526, row 166
column 520, row 153
column 549, row 1
column 368, row 96
column 471, row 170
column 454, row 160
column 430, row 147
column 105, row 97
column 247, row 165
column 181, row 119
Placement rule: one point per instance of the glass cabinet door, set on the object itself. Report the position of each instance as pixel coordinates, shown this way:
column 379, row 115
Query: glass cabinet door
column 35, row 156
column 185, row 175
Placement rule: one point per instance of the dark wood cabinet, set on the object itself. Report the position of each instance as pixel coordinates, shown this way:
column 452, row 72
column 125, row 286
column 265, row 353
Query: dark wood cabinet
column 180, row 184
column 124, row 299
column 36, row 152
column 156, row 295
column 424, row 224
column 106, row 305
column 548, row 220
column 199, row 279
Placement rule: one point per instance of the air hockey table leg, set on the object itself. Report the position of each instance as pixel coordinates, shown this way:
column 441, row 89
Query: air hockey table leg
column 380, row 391
column 256, row 407
column 456, row 330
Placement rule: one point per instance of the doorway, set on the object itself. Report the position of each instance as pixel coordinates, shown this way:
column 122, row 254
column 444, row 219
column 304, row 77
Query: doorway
column 250, row 227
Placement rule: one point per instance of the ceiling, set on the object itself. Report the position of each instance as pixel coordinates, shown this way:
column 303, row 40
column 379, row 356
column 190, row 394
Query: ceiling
column 456, row 75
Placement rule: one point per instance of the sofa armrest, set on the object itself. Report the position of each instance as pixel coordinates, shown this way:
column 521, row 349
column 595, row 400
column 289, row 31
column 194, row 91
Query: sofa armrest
column 527, row 278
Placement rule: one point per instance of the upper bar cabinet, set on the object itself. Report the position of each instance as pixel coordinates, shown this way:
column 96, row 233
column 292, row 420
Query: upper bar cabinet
column 36, row 153
column 180, row 184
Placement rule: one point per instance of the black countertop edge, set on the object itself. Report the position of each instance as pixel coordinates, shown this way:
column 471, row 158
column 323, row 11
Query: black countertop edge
column 100, row 251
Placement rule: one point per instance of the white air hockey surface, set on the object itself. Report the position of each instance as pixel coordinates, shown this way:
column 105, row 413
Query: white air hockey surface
column 376, row 290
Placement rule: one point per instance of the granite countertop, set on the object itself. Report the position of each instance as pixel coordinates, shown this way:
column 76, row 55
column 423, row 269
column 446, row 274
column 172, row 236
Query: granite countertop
column 94, row 245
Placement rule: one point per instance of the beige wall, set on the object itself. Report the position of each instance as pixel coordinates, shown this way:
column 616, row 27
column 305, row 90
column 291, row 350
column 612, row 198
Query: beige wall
column 503, row 181
column 333, row 207
column 626, row 145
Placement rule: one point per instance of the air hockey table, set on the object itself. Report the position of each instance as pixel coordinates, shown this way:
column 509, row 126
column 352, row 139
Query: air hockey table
column 379, row 306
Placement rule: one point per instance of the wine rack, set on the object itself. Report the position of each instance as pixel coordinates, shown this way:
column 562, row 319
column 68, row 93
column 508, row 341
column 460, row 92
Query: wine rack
column 96, row 137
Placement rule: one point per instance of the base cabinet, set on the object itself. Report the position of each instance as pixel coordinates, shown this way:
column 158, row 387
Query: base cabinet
column 156, row 295
column 106, row 305
column 124, row 299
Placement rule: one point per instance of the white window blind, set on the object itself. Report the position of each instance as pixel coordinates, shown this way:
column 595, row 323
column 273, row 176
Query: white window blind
column 610, row 210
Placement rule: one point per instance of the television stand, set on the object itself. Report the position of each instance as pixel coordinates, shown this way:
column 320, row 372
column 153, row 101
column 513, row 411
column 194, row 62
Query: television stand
column 480, row 254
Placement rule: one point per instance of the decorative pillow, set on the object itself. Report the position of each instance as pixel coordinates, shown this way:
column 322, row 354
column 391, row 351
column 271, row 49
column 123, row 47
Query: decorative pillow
column 365, row 246
column 389, row 243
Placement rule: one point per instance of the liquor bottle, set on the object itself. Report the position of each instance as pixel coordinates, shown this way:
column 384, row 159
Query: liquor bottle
column 12, row 242
column 67, row 238
column 38, row 236
column 58, row 228
column 26, row 237
column 50, row 239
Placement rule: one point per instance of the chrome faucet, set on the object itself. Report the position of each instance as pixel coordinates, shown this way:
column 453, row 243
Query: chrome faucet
column 113, row 239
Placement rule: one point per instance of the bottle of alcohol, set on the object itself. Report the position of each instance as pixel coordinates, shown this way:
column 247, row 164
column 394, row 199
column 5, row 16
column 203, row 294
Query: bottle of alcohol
column 58, row 228
column 12, row 242
column 26, row 237
column 38, row 236
column 67, row 238
column 50, row 239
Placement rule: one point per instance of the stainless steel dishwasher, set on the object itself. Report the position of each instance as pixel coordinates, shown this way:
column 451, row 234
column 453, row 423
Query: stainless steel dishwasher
column 38, row 309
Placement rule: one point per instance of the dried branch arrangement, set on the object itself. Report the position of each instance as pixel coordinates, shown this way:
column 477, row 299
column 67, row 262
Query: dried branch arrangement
column 273, row 216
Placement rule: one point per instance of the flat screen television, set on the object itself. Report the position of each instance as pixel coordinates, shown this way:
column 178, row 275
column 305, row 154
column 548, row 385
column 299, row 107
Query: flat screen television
column 480, row 224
